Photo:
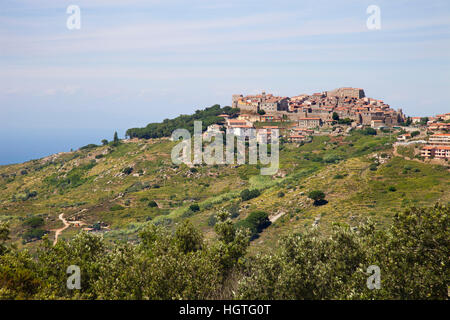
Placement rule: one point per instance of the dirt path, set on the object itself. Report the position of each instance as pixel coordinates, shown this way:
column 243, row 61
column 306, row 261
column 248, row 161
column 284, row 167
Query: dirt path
column 66, row 225
column 276, row 217
column 60, row 230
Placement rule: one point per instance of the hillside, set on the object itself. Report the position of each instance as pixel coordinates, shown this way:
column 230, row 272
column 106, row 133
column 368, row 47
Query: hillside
column 118, row 190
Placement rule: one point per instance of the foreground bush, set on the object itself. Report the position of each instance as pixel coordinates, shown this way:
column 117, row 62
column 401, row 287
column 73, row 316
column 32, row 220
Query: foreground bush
column 413, row 256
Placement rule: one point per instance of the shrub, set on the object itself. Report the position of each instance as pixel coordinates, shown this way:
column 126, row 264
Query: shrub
column 331, row 158
column 256, row 221
column 116, row 207
column 34, row 222
column 392, row 189
column 194, row 207
column 249, row 194
column 280, row 194
column 369, row 132
column 188, row 213
column 233, row 210
column 89, row 146
column 152, row 204
column 318, row 197
column 212, row 220
column 127, row 170
column 34, row 234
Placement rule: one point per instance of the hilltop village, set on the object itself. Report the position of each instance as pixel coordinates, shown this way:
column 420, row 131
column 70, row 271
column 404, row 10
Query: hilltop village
column 334, row 113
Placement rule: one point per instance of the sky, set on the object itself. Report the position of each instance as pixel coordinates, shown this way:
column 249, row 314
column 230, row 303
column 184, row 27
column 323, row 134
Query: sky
column 133, row 62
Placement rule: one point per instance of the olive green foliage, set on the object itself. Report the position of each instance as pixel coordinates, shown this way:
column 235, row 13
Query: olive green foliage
column 164, row 265
column 318, row 196
column 413, row 256
column 249, row 194
column 152, row 204
column 255, row 222
column 208, row 116
column 194, row 207
column 74, row 178
column 34, row 222
column 369, row 132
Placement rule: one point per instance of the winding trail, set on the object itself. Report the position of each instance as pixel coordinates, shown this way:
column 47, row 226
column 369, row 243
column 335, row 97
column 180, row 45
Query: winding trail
column 66, row 225
column 60, row 230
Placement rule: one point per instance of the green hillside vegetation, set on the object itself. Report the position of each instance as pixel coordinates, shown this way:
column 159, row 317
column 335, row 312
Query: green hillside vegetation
column 413, row 257
column 208, row 116
column 122, row 189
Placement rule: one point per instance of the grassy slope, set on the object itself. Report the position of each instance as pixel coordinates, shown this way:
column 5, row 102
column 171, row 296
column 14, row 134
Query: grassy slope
column 95, row 188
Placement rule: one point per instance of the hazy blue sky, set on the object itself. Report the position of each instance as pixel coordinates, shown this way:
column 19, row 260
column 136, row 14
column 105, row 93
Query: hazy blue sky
column 134, row 62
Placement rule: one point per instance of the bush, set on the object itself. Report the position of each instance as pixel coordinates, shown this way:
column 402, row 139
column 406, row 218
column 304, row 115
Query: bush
column 212, row 220
column 89, row 146
column 318, row 197
column 34, row 234
column 249, row 194
column 127, row 170
column 392, row 189
column 116, row 207
column 233, row 210
column 338, row 176
column 152, row 204
column 280, row 194
column 331, row 158
column 194, row 207
column 256, row 221
column 369, row 132
column 34, row 222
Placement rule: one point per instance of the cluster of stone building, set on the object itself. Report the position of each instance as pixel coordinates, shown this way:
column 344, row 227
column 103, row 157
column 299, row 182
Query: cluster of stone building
column 317, row 109
column 311, row 112
column 439, row 142
column 438, row 146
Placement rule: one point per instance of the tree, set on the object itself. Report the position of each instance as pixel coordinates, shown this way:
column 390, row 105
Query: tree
column 194, row 207
column 104, row 142
column 408, row 121
column 116, row 139
column 152, row 204
column 247, row 194
column 261, row 112
column 4, row 236
column 318, row 197
column 188, row 238
column 127, row 170
column 335, row 116
column 369, row 132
